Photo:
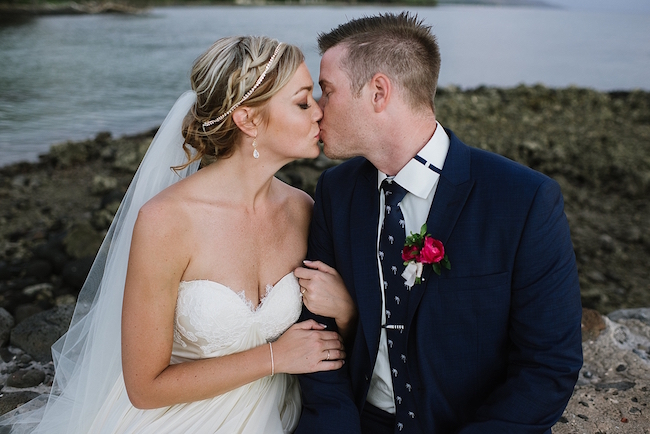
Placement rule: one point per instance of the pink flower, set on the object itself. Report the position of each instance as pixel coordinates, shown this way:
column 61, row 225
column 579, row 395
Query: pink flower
column 409, row 253
column 432, row 252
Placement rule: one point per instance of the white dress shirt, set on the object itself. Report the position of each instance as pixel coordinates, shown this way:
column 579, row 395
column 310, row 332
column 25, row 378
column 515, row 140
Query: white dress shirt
column 420, row 183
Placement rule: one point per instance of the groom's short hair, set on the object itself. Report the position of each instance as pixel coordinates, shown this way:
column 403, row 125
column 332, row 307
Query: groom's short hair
column 400, row 46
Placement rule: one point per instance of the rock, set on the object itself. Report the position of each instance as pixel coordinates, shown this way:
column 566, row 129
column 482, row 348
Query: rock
column 12, row 400
column 592, row 324
column 52, row 251
column 82, row 240
column 69, row 154
column 102, row 184
column 41, row 291
column 641, row 314
column 65, row 299
column 614, row 382
column 36, row 334
column 75, row 272
column 26, row 378
column 38, row 269
column 24, row 311
column 6, row 324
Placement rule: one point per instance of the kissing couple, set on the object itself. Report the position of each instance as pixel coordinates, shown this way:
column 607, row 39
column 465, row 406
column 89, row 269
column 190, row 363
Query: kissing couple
column 428, row 287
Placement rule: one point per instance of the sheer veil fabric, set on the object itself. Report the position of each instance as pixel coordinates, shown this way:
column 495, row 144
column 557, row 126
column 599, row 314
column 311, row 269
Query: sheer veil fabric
column 87, row 358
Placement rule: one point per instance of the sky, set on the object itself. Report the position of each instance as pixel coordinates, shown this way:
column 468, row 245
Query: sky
column 605, row 5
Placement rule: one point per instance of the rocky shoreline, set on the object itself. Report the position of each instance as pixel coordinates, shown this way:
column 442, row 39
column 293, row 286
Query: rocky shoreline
column 54, row 214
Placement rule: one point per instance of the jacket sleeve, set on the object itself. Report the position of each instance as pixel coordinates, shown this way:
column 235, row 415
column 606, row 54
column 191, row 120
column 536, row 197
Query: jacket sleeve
column 545, row 353
column 327, row 403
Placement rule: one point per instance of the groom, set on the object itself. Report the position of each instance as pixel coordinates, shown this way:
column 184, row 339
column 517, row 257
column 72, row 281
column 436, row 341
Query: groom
column 492, row 343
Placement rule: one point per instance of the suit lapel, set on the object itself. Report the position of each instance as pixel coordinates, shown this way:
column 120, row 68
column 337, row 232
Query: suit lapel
column 364, row 219
column 453, row 189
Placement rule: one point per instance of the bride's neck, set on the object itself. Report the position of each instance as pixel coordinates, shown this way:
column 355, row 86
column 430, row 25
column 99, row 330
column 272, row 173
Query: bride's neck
column 243, row 178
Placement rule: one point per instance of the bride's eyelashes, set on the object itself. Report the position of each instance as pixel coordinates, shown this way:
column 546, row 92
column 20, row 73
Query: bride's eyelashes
column 304, row 106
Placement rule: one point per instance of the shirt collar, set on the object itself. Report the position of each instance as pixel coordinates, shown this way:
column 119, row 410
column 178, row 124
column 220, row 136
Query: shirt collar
column 416, row 177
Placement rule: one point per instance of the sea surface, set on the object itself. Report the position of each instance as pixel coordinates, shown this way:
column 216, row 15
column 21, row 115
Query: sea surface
column 70, row 77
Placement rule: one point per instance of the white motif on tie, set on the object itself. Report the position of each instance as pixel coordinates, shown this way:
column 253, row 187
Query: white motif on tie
column 402, row 223
column 412, row 415
column 390, row 343
column 397, row 300
column 394, row 270
column 381, row 255
column 388, row 209
column 408, row 387
column 395, row 375
column 400, row 426
column 387, row 313
column 391, row 239
column 403, row 357
column 398, row 399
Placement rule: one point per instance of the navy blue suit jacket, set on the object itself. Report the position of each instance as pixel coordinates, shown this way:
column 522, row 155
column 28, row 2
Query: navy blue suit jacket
column 494, row 344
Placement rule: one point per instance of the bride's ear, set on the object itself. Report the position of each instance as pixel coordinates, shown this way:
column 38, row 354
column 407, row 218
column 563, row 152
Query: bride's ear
column 247, row 120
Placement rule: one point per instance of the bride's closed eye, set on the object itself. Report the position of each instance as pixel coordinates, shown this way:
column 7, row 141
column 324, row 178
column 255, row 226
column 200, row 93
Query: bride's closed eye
column 304, row 106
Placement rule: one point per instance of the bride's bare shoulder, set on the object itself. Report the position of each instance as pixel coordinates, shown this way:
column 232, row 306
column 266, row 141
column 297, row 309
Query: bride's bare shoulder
column 295, row 197
column 167, row 212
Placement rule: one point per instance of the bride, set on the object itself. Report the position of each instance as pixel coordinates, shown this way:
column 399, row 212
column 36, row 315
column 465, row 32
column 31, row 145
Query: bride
column 199, row 272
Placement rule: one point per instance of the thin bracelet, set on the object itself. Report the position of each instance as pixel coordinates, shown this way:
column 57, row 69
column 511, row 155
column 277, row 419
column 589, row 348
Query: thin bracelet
column 272, row 362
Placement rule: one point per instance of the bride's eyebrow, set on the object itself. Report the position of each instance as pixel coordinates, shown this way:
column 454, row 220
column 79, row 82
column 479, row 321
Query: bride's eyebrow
column 309, row 88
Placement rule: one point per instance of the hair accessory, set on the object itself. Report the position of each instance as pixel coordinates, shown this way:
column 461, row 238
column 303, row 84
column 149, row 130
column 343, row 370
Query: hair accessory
column 249, row 93
column 255, row 153
column 272, row 362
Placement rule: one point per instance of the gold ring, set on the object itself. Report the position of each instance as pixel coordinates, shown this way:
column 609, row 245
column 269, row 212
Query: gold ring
column 328, row 355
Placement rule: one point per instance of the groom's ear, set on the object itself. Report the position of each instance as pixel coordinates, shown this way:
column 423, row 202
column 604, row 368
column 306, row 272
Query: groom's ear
column 247, row 120
column 381, row 90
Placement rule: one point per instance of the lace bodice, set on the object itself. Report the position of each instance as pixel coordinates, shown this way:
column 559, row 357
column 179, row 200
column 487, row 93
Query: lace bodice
column 211, row 319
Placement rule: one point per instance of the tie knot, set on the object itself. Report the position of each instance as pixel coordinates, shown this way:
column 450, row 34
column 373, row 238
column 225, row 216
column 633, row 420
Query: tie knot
column 393, row 192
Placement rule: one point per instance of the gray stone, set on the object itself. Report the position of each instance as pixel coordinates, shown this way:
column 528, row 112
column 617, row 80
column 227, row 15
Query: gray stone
column 36, row 334
column 13, row 400
column 26, row 378
column 82, row 240
column 642, row 314
column 6, row 324
column 102, row 184
column 75, row 272
column 24, row 311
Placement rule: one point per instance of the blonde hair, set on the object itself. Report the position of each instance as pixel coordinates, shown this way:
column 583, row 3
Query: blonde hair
column 221, row 77
column 400, row 46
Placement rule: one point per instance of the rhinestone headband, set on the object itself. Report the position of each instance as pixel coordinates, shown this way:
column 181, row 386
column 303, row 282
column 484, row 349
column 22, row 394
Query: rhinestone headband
column 249, row 93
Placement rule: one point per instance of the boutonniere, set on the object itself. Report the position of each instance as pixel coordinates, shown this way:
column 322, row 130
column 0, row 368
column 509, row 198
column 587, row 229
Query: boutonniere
column 420, row 249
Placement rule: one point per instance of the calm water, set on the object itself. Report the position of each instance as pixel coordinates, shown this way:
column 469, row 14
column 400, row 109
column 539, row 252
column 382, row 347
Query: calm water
column 67, row 78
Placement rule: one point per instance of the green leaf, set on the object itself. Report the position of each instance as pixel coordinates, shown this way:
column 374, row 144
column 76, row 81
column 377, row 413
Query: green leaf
column 436, row 268
column 423, row 230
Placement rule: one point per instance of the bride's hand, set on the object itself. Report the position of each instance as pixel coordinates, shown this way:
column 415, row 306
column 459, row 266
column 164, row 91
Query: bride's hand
column 325, row 294
column 307, row 347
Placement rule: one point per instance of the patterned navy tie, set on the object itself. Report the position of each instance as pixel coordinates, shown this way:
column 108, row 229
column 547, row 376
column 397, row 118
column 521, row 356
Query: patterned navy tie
column 396, row 293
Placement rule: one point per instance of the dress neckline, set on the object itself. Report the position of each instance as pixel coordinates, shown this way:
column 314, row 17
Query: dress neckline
column 241, row 295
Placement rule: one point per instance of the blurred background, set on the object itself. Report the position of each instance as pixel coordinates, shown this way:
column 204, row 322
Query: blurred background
column 68, row 77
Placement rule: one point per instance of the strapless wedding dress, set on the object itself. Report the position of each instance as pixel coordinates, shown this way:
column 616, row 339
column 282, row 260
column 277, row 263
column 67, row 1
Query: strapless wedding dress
column 212, row 320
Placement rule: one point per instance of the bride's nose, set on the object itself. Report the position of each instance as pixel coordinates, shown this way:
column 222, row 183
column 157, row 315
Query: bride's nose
column 318, row 113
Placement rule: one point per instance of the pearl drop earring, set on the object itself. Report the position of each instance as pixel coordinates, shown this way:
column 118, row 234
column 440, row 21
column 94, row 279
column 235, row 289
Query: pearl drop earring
column 255, row 153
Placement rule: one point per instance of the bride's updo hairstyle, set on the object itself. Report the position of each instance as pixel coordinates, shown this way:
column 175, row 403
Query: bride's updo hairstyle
column 221, row 78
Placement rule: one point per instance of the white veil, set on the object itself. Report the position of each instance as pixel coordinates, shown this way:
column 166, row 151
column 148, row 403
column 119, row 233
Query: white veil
column 87, row 358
